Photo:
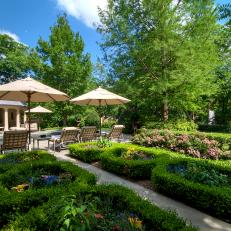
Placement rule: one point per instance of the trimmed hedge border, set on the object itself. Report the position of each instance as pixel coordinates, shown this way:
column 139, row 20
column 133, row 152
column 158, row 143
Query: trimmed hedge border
column 13, row 202
column 124, row 199
column 10, row 160
column 213, row 200
column 136, row 169
column 87, row 155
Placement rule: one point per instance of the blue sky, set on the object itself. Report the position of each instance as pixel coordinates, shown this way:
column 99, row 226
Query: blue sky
column 27, row 20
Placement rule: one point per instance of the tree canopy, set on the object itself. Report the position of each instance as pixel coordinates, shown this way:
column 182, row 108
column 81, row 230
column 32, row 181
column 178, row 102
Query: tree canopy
column 163, row 51
column 14, row 59
column 62, row 63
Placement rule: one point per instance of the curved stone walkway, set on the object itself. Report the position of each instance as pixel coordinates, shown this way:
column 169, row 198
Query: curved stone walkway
column 201, row 220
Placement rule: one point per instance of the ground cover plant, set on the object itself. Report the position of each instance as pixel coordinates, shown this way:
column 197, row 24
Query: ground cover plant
column 203, row 184
column 131, row 160
column 31, row 181
column 198, row 145
column 110, row 207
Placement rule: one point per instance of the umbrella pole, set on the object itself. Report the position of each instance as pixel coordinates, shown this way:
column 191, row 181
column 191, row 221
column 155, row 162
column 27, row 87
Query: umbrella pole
column 100, row 125
column 29, row 99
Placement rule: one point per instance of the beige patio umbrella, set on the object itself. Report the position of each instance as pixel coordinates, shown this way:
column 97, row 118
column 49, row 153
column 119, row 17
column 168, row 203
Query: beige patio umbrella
column 99, row 97
column 30, row 90
column 39, row 110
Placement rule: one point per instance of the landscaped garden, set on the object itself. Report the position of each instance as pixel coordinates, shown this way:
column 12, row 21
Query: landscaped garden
column 40, row 193
column 202, row 182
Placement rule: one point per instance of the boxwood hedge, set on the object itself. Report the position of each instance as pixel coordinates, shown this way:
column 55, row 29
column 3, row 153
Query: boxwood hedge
column 211, row 199
column 122, row 199
column 13, row 202
column 112, row 161
column 87, row 152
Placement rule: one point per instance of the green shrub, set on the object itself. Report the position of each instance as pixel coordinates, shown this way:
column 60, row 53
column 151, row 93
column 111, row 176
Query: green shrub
column 91, row 119
column 87, row 152
column 104, row 201
column 119, row 161
column 21, row 157
column 109, row 123
column 214, row 128
column 197, row 193
column 7, row 161
column 178, row 125
column 13, row 202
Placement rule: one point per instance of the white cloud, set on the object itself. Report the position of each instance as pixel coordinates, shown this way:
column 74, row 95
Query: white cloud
column 84, row 10
column 12, row 35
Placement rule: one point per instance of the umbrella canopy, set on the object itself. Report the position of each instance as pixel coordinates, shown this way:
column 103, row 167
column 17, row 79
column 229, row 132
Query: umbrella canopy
column 39, row 92
column 99, row 97
column 39, row 109
column 30, row 90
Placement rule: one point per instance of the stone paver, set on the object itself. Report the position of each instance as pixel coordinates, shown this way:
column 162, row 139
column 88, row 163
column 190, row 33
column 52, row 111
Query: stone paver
column 199, row 219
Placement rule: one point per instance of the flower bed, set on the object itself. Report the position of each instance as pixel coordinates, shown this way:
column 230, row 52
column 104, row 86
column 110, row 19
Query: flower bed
column 194, row 144
column 130, row 160
column 99, row 208
column 32, row 183
column 202, row 184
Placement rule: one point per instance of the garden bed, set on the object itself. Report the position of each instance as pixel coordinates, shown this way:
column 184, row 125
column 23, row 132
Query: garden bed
column 31, row 183
column 205, row 185
column 16, row 158
column 130, row 160
column 112, row 208
column 198, row 145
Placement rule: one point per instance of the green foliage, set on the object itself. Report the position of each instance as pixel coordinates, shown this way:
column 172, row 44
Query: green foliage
column 214, row 200
column 131, row 160
column 90, row 118
column 201, row 174
column 14, row 59
column 109, row 123
column 60, row 62
column 161, row 55
column 20, row 172
column 87, row 152
column 221, row 102
column 74, row 216
column 105, row 203
column 178, row 125
column 103, row 142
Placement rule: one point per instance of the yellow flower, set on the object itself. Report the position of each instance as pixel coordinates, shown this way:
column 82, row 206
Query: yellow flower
column 134, row 221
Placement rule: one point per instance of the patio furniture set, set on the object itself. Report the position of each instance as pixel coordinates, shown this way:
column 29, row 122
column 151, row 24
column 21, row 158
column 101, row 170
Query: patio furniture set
column 18, row 139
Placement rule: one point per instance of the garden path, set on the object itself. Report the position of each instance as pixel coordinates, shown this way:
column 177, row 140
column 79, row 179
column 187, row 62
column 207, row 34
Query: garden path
column 199, row 219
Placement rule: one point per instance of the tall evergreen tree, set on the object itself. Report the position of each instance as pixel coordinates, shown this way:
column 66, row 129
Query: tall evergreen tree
column 61, row 63
column 164, row 50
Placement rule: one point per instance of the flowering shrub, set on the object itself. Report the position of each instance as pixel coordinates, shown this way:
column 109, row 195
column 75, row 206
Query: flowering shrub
column 198, row 145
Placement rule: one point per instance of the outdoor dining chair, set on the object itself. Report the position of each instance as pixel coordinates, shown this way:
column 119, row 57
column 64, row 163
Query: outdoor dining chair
column 68, row 135
column 15, row 140
column 88, row 133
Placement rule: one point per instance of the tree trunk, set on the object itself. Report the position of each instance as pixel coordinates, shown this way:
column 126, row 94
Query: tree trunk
column 65, row 120
column 165, row 110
